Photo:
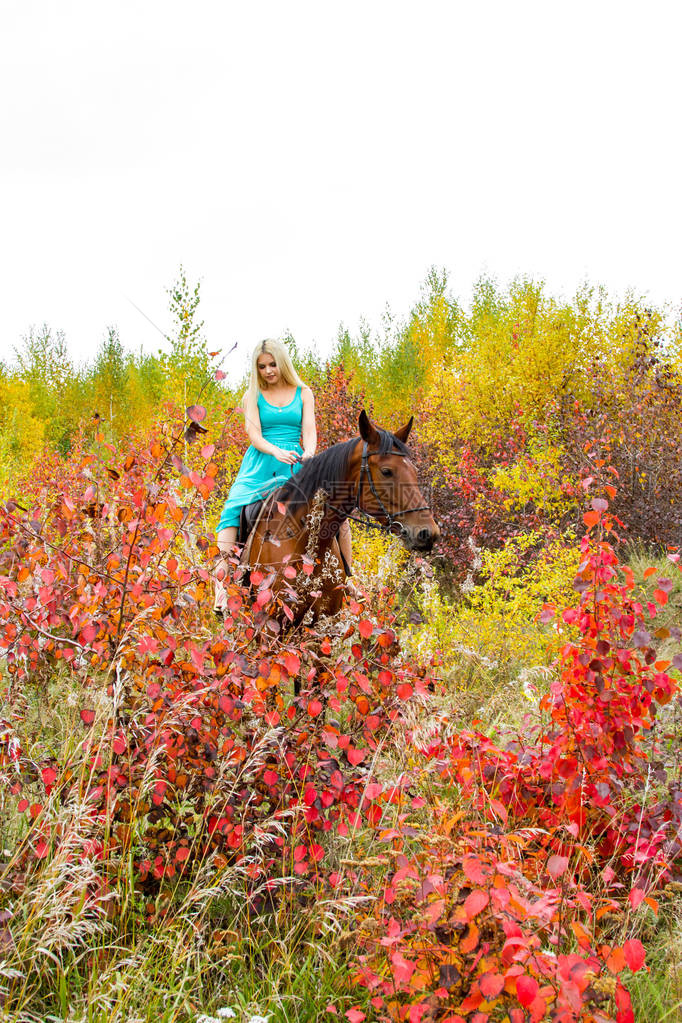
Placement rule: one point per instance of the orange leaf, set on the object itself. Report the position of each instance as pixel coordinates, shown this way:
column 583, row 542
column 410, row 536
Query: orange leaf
column 470, row 942
column 581, row 934
column 616, row 961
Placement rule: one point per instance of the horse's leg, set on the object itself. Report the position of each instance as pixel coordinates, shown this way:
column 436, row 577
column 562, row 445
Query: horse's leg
column 226, row 540
column 344, row 539
column 330, row 580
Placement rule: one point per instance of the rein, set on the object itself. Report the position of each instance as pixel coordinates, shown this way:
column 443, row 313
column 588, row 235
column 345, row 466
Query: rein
column 367, row 522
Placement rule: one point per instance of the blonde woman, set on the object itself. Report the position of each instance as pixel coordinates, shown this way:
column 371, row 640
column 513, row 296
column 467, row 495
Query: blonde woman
column 279, row 413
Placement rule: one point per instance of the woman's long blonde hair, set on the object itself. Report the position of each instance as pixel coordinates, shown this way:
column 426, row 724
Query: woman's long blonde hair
column 285, row 366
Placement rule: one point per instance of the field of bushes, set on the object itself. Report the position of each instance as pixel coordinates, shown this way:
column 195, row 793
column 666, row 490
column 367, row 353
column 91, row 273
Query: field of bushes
column 473, row 809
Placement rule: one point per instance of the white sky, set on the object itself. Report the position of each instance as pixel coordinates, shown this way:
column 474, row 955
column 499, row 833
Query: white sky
column 310, row 160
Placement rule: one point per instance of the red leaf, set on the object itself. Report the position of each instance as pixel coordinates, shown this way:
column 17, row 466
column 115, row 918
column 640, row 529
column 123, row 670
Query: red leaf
column 474, row 870
column 526, row 989
column 491, row 984
column 434, row 911
column 22, row 805
column 292, row 662
column 635, row 897
column 264, row 597
column 87, row 716
column 624, row 1005
column 41, row 849
column 196, row 413
column 404, row 690
column 634, row 953
column 49, row 777
column 182, row 853
column 355, row 1015
column 402, row 968
column 365, row 628
column 207, row 451
column 475, row 902
column 591, row 518
column 356, row 756
column 314, row 708
column 556, row 865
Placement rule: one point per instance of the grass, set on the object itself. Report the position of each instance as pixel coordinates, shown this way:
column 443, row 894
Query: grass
column 201, row 953
column 175, row 974
column 657, row 993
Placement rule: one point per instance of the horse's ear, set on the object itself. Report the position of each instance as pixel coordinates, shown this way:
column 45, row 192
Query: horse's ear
column 404, row 432
column 368, row 431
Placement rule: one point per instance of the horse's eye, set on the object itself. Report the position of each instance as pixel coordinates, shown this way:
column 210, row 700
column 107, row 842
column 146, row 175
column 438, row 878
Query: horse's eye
column 386, row 472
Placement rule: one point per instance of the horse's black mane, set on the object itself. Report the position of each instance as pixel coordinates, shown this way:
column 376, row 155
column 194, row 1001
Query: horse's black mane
column 326, row 470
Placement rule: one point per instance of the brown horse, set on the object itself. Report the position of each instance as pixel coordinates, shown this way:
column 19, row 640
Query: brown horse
column 295, row 538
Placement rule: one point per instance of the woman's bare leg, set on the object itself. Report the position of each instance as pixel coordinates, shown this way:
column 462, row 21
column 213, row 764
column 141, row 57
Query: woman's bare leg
column 227, row 539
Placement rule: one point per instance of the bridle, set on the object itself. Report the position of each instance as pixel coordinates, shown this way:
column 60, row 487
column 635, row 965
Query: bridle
column 366, row 521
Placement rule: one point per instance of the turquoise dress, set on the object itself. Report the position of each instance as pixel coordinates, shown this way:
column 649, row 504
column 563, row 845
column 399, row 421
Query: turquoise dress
column 259, row 473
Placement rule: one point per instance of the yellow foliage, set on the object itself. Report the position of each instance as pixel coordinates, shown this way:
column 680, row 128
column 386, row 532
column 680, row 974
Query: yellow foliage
column 497, row 620
column 22, row 435
column 535, row 481
column 523, row 351
column 378, row 558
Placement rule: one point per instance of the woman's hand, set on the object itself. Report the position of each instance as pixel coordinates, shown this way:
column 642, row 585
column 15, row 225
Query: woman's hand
column 288, row 457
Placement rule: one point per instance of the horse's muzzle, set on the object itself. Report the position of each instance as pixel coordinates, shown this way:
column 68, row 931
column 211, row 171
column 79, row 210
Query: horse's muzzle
column 423, row 539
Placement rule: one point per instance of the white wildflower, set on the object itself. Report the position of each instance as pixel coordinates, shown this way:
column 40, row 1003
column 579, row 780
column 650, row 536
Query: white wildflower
column 227, row 1013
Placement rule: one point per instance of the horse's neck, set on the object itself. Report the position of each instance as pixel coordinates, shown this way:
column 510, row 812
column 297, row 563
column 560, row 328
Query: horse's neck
column 323, row 521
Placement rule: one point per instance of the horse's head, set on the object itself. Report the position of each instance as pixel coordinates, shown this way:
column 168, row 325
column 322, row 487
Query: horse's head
column 388, row 488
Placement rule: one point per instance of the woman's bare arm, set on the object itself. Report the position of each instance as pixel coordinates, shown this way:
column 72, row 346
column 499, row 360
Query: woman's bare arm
column 309, row 431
